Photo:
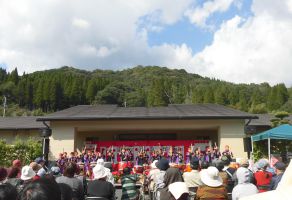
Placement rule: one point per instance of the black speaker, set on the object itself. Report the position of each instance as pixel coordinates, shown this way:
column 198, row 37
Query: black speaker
column 45, row 132
column 46, row 146
column 247, row 144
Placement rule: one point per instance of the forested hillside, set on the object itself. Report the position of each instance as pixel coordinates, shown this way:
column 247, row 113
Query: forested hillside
column 61, row 88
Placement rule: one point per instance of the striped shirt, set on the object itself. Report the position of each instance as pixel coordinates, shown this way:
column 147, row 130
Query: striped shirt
column 129, row 189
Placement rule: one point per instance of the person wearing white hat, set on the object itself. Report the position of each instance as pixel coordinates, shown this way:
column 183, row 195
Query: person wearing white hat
column 213, row 187
column 27, row 175
column 152, row 176
column 99, row 187
column 109, row 174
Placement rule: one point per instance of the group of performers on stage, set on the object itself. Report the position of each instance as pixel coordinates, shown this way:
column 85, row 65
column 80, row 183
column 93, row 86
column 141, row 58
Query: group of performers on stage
column 125, row 157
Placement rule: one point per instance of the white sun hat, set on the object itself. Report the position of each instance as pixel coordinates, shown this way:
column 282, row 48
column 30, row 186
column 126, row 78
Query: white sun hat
column 99, row 172
column 27, row 173
column 100, row 161
column 210, row 177
column 153, row 165
column 177, row 189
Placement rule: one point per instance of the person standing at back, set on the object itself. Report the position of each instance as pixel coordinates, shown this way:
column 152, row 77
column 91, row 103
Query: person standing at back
column 280, row 169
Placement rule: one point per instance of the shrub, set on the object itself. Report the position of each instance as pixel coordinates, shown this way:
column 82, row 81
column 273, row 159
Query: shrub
column 26, row 151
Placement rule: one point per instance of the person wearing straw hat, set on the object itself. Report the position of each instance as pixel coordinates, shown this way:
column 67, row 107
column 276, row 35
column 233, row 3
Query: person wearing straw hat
column 100, row 187
column 213, row 187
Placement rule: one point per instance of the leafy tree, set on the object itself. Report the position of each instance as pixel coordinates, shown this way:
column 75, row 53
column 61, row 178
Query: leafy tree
column 280, row 118
column 113, row 93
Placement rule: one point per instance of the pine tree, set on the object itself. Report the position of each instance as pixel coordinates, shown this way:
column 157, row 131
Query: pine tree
column 91, row 90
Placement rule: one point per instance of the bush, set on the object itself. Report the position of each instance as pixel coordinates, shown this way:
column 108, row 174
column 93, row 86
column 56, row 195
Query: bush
column 26, row 151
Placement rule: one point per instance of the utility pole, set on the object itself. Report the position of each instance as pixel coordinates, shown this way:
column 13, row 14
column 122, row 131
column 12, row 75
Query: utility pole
column 4, row 105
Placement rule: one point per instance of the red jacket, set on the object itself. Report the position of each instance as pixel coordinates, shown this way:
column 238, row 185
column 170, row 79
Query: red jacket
column 263, row 180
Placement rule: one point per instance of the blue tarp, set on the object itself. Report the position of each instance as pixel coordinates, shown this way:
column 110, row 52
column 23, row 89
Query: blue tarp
column 283, row 132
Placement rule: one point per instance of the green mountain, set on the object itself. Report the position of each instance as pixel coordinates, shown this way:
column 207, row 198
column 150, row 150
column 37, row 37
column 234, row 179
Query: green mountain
column 56, row 89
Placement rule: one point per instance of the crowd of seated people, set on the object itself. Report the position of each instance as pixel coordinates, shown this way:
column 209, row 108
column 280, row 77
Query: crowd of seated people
column 219, row 179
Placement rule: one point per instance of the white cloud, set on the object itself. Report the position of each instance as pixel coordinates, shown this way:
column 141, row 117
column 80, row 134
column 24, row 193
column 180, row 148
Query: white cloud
column 258, row 49
column 200, row 14
column 37, row 35
column 80, row 23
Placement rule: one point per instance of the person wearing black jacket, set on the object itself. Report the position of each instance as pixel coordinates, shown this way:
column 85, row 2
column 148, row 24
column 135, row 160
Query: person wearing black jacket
column 99, row 187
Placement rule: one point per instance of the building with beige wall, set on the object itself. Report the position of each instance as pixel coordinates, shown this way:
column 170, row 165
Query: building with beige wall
column 72, row 127
column 19, row 127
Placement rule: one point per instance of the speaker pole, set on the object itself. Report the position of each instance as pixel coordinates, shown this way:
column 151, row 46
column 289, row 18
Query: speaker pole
column 45, row 133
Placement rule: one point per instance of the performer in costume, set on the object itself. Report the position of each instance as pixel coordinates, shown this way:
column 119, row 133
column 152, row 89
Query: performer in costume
column 227, row 153
column 189, row 154
column 208, row 156
column 72, row 157
column 180, row 157
column 110, row 157
column 140, row 159
column 123, row 155
column 61, row 162
column 216, row 151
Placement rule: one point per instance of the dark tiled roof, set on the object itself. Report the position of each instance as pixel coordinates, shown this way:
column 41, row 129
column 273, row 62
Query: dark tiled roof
column 14, row 123
column 264, row 120
column 174, row 111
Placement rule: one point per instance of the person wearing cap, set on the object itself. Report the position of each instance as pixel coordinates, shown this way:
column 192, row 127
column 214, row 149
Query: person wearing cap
column 213, row 187
column 55, row 171
column 192, row 178
column 162, row 165
column 262, row 176
column 43, row 170
column 280, row 169
column 244, row 187
column 100, row 187
column 16, row 164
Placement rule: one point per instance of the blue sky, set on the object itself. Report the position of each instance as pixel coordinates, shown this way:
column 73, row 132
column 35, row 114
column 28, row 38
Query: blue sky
column 224, row 39
column 197, row 37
